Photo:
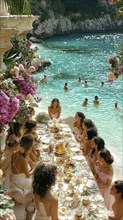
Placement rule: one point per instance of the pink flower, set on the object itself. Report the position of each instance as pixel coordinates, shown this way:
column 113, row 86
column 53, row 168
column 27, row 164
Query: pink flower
column 19, row 77
column 121, row 69
column 19, row 96
column 38, row 100
column 112, row 2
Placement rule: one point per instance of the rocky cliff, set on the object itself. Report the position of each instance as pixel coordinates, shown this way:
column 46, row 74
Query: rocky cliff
column 63, row 25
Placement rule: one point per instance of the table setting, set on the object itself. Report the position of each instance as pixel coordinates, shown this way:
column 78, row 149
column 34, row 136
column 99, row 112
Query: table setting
column 77, row 191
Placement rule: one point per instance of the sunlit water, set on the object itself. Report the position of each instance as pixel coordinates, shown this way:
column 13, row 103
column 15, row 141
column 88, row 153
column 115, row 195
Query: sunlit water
column 86, row 56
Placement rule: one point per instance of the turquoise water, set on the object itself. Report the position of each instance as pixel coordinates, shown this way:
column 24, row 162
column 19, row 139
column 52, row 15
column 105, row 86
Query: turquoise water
column 86, row 56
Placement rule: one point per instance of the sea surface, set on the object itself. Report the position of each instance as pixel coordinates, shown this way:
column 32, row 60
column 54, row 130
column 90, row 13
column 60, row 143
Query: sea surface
column 86, row 56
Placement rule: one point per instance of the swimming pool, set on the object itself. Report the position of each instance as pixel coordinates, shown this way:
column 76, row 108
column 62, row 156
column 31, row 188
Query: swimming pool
column 86, row 56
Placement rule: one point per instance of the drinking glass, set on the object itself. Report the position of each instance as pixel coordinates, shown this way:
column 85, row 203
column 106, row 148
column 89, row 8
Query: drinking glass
column 85, row 180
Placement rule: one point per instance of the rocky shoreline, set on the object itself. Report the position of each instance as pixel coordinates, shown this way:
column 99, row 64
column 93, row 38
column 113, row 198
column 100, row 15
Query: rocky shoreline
column 63, row 25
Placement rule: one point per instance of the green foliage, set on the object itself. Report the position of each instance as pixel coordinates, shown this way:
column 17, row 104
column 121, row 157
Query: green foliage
column 19, row 7
column 86, row 8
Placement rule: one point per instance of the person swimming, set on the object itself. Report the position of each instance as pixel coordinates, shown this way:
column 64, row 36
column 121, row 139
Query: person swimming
column 86, row 84
column 65, row 86
column 85, row 102
column 79, row 79
column 96, row 101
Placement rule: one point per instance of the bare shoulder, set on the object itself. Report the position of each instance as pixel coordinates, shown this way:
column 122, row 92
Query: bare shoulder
column 54, row 200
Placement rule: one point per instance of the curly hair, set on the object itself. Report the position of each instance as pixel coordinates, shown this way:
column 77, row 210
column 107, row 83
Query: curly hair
column 44, row 177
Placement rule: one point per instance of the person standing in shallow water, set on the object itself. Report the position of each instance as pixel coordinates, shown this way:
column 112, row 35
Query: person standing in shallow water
column 96, row 101
column 86, row 84
column 102, row 84
column 65, row 86
column 79, row 80
column 85, row 103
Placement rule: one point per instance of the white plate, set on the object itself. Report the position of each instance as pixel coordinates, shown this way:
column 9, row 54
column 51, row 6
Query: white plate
column 78, row 158
column 75, row 149
column 67, row 129
column 45, row 140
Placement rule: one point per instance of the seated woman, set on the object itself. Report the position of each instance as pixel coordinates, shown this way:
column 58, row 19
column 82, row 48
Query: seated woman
column 46, row 204
column 117, row 193
column 54, row 110
column 97, row 144
column 87, row 123
column 5, row 161
column 20, row 184
column 91, row 132
column 15, row 132
column 104, row 174
column 77, row 129
column 30, row 129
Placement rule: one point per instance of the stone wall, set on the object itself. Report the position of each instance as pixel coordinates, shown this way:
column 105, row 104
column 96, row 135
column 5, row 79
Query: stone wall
column 63, row 25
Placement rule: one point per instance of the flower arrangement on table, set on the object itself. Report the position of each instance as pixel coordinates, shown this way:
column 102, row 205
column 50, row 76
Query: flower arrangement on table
column 16, row 84
column 42, row 117
column 6, row 203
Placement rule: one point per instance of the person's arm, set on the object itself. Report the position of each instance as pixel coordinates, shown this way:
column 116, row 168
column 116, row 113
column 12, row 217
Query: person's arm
column 106, row 185
column 24, row 166
column 36, row 200
column 49, row 112
column 54, row 209
column 59, row 113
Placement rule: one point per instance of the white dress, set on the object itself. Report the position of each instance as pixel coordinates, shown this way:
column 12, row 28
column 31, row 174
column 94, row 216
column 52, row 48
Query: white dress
column 20, row 186
column 41, row 213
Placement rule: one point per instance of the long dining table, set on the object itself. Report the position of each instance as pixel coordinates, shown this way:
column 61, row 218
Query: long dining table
column 78, row 195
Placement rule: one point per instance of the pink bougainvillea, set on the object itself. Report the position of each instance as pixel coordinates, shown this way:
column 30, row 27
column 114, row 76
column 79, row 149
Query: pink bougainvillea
column 8, row 108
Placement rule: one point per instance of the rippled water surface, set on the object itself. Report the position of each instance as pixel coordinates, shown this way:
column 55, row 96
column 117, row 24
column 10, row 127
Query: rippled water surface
column 86, row 56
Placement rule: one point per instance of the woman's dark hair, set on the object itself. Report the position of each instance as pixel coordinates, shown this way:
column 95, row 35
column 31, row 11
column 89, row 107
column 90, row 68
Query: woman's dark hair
column 81, row 116
column 44, row 177
column 55, row 100
column 96, row 97
column 11, row 144
column 30, row 109
column 99, row 142
column 91, row 132
column 26, row 142
column 106, row 155
column 89, row 123
column 14, row 128
column 119, row 187
column 30, row 124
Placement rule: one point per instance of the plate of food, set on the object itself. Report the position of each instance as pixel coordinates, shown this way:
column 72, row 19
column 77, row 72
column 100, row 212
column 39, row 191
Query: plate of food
column 64, row 210
column 45, row 139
